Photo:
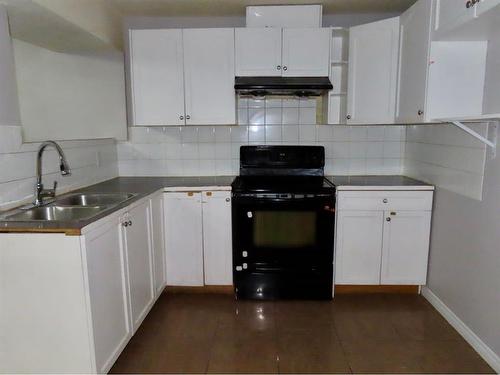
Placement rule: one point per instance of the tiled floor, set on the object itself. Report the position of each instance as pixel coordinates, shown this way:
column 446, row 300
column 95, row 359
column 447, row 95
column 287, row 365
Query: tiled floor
column 201, row 333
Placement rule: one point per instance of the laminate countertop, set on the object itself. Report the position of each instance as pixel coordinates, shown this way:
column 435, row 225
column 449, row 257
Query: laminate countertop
column 141, row 186
column 378, row 183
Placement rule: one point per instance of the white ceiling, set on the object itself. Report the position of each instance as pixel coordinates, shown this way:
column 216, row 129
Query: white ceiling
column 199, row 8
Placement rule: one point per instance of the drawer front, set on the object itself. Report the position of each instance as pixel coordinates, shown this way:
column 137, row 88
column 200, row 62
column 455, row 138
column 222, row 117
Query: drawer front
column 385, row 200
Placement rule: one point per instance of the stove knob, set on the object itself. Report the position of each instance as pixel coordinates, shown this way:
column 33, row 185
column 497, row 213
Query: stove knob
column 249, row 214
column 239, row 268
column 245, row 266
column 244, row 254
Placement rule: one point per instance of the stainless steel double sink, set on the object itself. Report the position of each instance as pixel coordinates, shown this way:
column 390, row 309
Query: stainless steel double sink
column 71, row 207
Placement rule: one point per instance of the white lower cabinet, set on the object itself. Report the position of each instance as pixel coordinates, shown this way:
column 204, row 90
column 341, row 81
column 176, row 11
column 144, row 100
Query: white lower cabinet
column 217, row 245
column 198, row 238
column 107, row 289
column 158, row 241
column 405, row 247
column 137, row 243
column 377, row 246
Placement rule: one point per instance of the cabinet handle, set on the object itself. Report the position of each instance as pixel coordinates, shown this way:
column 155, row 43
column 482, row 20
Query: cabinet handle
column 181, row 117
column 388, row 219
column 228, row 199
column 125, row 224
column 130, row 223
column 420, row 112
column 278, row 67
column 285, row 68
column 348, row 117
column 188, row 117
column 385, row 200
column 209, row 193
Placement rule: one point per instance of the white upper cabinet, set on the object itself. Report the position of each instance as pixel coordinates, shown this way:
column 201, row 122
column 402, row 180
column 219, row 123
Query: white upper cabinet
column 258, row 51
column 485, row 5
column 156, row 75
column 290, row 52
column 372, row 73
column 452, row 13
column 209, row 76
column 414, row 62
column 306, row 52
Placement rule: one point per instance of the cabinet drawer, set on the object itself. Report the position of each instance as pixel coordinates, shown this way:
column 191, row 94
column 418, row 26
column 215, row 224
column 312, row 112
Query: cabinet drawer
column 385, row 200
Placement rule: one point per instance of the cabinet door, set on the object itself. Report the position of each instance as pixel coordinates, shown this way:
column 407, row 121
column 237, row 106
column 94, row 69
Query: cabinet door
column 358, row 247
column 406, row 247
column 183, row 237
column 156, row 74
column 105, row 261
column 158, row 242
column 414, row 62
column 306, row 52
column 485, row 5
column 452, row 14
column 258, row 52
column 139, row 261
column 209, row 76
column 217, row 239
column 373, row 69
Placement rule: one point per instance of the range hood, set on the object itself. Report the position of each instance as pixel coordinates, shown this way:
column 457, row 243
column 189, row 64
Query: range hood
column 295, row 86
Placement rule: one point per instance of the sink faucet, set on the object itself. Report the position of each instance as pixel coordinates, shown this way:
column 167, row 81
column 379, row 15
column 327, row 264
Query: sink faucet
column 40, row 192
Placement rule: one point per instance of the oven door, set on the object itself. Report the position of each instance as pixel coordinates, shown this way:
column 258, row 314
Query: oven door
column 283, row 240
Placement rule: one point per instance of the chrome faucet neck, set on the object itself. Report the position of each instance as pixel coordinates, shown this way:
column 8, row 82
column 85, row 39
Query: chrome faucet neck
column 40, row 192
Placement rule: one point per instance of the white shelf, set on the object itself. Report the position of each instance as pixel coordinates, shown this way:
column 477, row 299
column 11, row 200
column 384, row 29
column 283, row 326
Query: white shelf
column 342, row 62
column 478, row 118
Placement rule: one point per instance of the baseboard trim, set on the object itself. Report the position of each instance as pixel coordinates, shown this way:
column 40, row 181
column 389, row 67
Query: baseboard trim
column 205, row 289
column 374, row 289
column 479, row 346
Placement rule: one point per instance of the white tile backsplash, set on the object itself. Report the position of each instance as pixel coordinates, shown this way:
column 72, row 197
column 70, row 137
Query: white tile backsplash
column 287, row 121
column 447, row 157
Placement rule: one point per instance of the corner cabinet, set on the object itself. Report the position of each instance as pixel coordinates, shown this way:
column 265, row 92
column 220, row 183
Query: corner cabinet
column 382, row 237
column 92, row 292
column 288, row 52
column 182, row 77
column 198, row 238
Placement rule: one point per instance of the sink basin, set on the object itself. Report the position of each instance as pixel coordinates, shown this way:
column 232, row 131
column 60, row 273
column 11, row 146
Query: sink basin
column 95, row 199
column 56, row 213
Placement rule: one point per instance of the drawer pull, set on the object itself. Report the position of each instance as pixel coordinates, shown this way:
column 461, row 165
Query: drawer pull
column 209, row 193
column 388, row 219
column 393, row 213
column 385, row 200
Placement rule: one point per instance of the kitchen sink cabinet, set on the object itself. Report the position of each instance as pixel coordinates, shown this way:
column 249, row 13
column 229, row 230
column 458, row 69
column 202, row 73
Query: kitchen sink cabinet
column 283, row 52
column 182, row 77
column 198, row 238
column 136, row 232
column 373, row 67
column 91, row 292
column 382, row 237
column 107, row 292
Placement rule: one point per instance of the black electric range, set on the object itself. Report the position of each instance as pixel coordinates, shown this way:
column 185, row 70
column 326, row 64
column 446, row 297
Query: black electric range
column 283, row 213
